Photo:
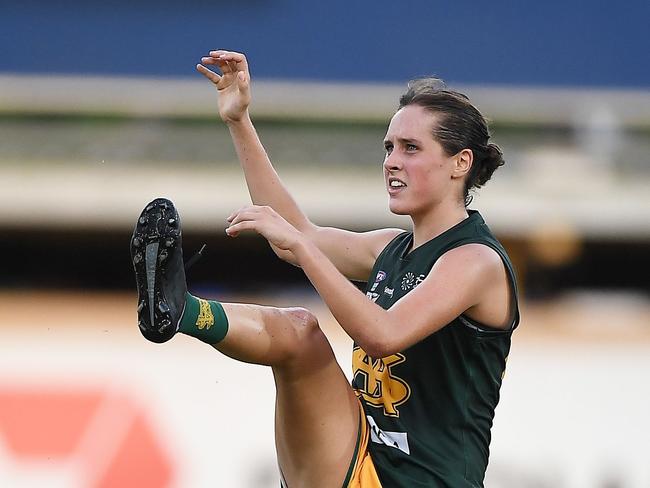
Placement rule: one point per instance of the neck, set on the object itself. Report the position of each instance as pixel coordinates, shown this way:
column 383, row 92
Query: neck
column 436, row 221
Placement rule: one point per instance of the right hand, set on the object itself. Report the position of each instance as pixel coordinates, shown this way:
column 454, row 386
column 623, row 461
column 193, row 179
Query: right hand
column 233, row 85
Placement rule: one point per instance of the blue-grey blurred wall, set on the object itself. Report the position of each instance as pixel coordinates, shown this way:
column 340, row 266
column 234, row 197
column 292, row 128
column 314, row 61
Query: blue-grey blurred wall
column 550, row 42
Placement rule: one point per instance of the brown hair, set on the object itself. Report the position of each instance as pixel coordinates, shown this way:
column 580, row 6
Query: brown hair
column 459, row 126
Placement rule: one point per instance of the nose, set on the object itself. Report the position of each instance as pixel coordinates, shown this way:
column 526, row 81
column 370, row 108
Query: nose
column 391, row 162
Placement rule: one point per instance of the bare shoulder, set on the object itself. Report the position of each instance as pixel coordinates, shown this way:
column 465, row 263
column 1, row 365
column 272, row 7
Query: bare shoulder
column 379, row 239
column 478, row 257
column 472, row 268
column 353, row 253
column 485, row 279
column 372, row 242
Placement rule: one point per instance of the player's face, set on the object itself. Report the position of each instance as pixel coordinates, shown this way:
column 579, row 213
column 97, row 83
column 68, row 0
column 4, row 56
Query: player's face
column 417, row 172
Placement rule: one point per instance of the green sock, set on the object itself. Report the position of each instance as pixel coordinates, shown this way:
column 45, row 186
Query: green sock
column 204, row 319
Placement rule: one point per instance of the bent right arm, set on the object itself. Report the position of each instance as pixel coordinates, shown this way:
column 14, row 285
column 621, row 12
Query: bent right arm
column 352, row 253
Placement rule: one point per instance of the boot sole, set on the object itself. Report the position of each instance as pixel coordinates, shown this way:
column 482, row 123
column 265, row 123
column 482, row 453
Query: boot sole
column 156, row 236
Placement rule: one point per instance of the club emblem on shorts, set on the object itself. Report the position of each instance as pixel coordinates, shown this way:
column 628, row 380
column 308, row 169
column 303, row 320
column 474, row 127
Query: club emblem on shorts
column 205, row 318
column 374, row 380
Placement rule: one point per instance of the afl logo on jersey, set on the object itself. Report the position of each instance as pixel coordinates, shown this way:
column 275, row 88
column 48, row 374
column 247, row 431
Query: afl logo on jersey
column 381, row 276
column 375, row 382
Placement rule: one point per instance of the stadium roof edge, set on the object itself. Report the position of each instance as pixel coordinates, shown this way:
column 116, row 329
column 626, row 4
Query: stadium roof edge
column 290, row 100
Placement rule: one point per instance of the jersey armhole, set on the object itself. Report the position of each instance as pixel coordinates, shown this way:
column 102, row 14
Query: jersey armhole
column 514, row 293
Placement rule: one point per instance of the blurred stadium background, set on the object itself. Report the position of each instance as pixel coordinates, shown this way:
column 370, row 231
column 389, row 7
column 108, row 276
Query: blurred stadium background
column 101, row 111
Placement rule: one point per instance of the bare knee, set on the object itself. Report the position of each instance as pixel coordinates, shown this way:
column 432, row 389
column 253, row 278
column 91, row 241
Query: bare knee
column 305, row 338
column 306, row 330
column 302, row 318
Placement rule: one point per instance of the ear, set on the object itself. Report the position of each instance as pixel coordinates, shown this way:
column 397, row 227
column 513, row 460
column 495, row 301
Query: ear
column 463, row 163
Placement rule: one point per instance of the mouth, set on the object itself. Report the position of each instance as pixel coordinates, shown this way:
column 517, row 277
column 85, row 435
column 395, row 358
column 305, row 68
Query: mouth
column 395, row 185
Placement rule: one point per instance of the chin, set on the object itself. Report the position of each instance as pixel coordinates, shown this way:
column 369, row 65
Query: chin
column 398, row 209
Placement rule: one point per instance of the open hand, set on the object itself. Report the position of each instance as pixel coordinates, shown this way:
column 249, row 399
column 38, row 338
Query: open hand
column 233, row 84
column 267, row 222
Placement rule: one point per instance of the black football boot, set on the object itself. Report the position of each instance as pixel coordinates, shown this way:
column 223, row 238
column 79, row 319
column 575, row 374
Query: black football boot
column 157, row 255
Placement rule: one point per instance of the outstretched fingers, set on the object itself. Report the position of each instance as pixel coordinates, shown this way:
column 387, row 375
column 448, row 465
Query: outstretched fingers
column 248, row 212
column 242, row 219
column 236, row 60
column 238, row 214
column 229, row 63
column 234, row 229
column 208, row 73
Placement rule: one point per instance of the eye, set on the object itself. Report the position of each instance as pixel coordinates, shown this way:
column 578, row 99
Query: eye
column 388, row 147
column 411, row 147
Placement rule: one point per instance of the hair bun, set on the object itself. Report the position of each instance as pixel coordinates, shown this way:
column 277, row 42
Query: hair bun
column 492, row 160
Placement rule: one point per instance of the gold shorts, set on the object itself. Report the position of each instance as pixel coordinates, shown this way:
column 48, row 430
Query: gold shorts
column 362, row 473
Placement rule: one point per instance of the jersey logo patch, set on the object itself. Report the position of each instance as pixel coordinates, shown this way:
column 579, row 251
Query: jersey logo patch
column 410, row 281
column 372, row 295
column 381, row 276
column 377, row 384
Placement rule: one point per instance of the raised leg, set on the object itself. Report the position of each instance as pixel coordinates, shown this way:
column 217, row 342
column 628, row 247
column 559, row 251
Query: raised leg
column 317, row 414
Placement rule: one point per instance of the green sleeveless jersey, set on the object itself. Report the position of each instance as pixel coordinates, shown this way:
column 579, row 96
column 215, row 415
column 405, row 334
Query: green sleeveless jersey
column 430, row 407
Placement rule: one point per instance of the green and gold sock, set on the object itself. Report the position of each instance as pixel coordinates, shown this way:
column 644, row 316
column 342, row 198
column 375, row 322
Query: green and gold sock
column 204, row 319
